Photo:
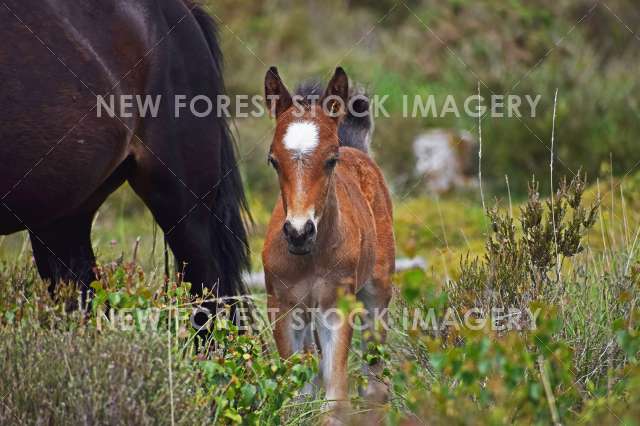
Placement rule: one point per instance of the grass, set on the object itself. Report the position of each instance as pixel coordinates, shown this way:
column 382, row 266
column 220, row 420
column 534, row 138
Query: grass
column 61, row 367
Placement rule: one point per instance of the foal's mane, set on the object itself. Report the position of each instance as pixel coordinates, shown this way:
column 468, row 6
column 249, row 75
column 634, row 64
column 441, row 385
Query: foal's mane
column 355, row 130
column 310, row 90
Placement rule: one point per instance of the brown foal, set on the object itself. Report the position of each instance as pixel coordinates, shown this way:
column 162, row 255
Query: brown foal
column 330, row 235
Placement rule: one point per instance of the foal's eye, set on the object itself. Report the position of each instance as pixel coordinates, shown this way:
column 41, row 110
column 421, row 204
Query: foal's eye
column 273, row 162
column 331, row 163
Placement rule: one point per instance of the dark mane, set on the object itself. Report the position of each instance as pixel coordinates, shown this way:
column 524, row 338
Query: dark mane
column 355, row 130
column 310, row 90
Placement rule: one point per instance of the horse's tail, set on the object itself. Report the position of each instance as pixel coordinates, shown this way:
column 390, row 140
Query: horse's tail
column 356, row 129
column 230, row 210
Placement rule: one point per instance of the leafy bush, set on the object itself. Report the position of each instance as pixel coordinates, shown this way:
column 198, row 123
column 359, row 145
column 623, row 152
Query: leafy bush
column 579, row 360
column 248, row 385
column 517, row 377
column 59, row 377
column 521, row 267
column 133, row 358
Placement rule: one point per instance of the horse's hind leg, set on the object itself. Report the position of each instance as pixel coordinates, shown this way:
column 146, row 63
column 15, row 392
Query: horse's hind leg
column 63, row 252
column 375, row 296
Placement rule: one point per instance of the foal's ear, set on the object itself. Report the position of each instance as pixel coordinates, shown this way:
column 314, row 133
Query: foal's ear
column 276, row 94
column 337, row 94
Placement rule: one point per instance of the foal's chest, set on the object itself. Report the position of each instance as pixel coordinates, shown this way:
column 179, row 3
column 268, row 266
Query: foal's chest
column 310, row 291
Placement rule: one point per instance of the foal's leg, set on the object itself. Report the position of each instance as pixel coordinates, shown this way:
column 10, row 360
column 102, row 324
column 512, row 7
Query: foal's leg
column 334, row 335
column 375, row 297
column 290, row 329
column 63, row 252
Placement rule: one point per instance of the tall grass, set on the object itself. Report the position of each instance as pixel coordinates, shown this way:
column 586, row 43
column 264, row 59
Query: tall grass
column 580, row 362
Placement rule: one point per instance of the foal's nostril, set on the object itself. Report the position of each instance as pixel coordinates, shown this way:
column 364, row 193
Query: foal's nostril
column 287, row 228
column 309, row 228
column 299, row 236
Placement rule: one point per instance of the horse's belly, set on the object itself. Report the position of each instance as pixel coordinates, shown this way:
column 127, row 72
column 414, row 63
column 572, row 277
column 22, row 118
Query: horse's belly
column 45, row 179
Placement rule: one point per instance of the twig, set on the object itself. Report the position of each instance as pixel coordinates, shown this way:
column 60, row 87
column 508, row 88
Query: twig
column 444, row 231
column 624, row 217
column 553, row 214
column 136, row 245
column 506, row 178
column 551, row 400
column 633, row 248
column 484, row 208
column 173, row 419
column 613, row 212
column 604, row 240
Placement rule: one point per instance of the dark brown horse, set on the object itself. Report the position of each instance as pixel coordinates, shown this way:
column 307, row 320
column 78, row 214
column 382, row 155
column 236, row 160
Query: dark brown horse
column 59, row 160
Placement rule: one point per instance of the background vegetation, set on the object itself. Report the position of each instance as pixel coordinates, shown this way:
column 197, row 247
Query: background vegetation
column 586, row 49
column 580, row 364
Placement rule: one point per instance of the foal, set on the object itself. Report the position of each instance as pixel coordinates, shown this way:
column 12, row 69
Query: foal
column 330, row 235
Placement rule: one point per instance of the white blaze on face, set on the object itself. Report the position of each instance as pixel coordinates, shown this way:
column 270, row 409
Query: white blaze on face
column 301, row 138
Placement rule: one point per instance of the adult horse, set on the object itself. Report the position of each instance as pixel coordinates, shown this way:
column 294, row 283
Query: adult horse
column 60, row 158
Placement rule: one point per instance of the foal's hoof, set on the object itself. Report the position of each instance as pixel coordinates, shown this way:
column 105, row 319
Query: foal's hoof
column 333, row 420
column 336, row 413
column 377, row 392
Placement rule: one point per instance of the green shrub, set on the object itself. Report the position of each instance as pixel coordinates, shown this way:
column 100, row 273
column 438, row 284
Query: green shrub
column 133, row 357
column 51, row 376
column 523, row 266
column 579, row 363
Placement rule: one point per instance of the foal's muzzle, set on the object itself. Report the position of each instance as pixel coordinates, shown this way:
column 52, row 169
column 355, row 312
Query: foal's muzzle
column 300, row 240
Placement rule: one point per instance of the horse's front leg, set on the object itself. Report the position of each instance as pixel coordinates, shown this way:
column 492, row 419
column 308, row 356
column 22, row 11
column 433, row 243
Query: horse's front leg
column 334, row 335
